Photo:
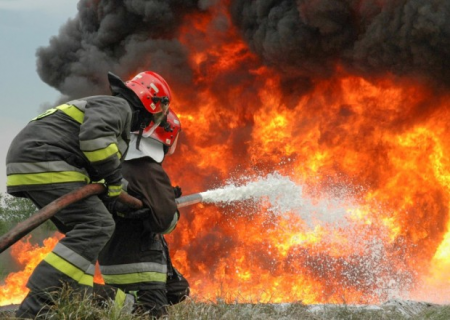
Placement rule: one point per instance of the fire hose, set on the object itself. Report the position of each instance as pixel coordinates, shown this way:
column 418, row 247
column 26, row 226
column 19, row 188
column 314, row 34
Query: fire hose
column 39, row 217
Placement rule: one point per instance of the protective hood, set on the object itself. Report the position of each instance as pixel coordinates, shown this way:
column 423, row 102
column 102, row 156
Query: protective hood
column 148, row 147
column 119, row 88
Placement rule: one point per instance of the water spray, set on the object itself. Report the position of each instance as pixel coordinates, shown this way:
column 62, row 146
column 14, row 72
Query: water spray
column 282, row 193
column 279, row 195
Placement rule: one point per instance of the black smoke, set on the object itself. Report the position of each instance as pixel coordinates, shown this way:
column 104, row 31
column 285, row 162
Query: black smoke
column 124, row 37
column 301, row 40
column 311, row 38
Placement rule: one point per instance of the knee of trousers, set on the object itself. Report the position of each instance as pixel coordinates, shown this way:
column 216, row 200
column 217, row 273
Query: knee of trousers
column 109, row 225
column 91, row 237
column 107, row 228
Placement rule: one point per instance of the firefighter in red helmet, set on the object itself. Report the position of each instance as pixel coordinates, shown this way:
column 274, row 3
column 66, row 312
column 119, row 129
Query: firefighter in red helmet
column 136, row 259
column 69, row 146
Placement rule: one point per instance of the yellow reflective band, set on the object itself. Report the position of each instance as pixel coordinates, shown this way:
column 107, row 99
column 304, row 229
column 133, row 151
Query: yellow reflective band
column 44, row 114
column 73, row 112
column 114, row 191
column 102, row 154
column 135, row 278
column 45, row 178
column 69, row 269
column 87, row 280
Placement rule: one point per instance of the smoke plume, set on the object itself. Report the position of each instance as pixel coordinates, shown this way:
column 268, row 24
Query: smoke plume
column 124, row 37
column 370, row 37
column 301, row 40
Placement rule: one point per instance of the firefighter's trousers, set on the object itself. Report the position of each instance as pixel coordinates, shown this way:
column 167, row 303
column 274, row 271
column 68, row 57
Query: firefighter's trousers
column 137, row 261
column 87, row 226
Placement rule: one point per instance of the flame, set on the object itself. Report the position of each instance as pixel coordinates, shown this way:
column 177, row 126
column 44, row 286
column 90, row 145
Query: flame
column 377, row 147
column 395, row 242
column 27, row 256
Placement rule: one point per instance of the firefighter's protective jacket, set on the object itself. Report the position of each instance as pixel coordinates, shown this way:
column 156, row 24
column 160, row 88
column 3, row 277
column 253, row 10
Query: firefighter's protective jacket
column 80, row 141
column 136, row 257
column 147, row 179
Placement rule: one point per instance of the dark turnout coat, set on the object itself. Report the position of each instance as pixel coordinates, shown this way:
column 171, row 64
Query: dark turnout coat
column 80, row 141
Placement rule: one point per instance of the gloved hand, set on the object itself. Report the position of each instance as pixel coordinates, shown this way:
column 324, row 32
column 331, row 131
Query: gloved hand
column 116, row 207
column 121, row 209
column 177, row 191
column 141, row 214
column 110, row 196
column 124, row 211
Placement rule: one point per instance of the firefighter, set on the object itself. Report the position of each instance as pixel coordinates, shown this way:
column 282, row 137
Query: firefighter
column 69, row 146
column 136, row 258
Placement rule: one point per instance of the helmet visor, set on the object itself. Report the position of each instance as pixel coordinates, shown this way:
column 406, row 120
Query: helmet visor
column 158, row 117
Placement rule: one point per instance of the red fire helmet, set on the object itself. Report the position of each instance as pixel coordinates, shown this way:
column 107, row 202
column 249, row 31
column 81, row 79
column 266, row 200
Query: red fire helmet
column 168, row 133
column 152, row 90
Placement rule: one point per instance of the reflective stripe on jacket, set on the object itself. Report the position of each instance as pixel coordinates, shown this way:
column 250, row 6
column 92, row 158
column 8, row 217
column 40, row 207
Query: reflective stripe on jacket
column 79, row 141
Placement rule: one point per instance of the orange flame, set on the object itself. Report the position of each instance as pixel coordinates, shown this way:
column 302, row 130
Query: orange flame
column 27, row 256
column 396, row 173
column 381, row 143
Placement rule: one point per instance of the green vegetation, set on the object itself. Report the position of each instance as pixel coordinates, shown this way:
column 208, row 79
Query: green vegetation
column 73, row 307
column 12, row 211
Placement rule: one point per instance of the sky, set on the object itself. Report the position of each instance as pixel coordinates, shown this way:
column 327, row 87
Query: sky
column 25, row 25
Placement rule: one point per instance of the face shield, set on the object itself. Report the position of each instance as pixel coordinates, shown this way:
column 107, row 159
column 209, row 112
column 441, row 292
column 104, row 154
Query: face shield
column 159, row 117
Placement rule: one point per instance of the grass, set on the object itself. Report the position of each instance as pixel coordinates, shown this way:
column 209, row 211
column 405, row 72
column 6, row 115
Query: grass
column 68, row 306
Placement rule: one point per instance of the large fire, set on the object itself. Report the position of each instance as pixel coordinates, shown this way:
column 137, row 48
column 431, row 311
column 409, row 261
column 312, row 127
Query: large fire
column 378, row 146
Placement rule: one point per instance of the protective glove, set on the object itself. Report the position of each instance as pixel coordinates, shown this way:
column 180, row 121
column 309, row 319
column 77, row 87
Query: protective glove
column 121, row 209
column 141, row 214
column 110, row 196
column 177, row 191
